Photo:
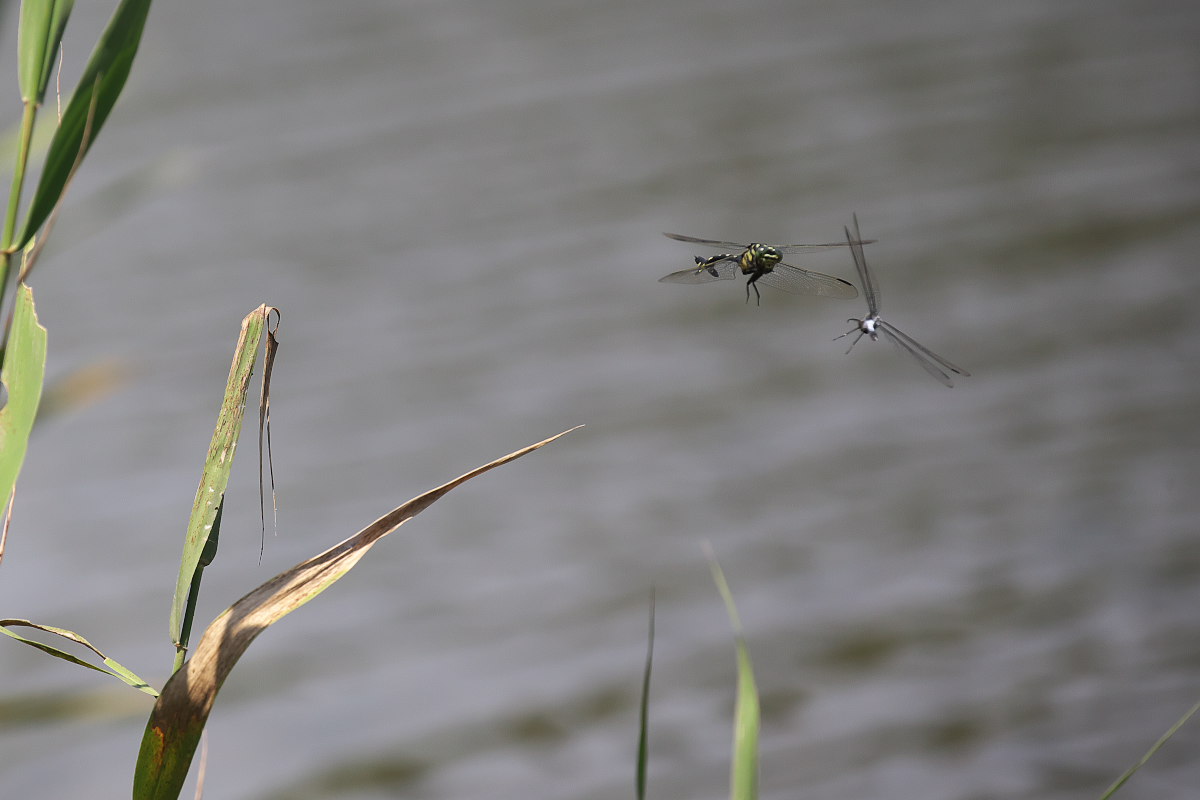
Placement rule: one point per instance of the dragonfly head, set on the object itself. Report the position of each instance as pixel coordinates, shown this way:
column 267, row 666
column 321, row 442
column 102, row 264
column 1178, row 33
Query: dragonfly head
column 762, row 256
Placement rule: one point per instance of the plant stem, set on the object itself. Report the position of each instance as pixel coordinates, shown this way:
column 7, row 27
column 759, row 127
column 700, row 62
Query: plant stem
column 14, row 194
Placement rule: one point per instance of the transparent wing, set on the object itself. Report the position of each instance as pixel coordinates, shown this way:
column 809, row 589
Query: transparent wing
column 783, row 248
column 679, row 237
column 864, row 272
column 934, row 364
column 800, row 248
column 703, row 273
column 802, row 281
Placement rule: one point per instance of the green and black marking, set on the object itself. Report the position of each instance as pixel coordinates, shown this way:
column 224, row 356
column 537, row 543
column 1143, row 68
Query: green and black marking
column 761, row 262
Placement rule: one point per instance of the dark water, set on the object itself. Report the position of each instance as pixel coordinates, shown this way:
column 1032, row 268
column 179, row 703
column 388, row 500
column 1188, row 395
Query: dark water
column 984, row 592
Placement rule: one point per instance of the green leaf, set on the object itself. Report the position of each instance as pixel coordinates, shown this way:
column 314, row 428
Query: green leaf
column 114, row 669
column 644, row 713
column 744, row 773
column 23, row 373
column 746, row 716
column 104, row 77
column 178, row 718
column 1119, row 782
column 39, row 33
column 199, row 547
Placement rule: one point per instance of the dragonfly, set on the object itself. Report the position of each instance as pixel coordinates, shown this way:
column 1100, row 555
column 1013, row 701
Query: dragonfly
column 872, row 325
column 762, row 263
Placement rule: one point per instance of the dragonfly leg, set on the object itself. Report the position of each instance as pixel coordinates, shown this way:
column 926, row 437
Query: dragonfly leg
column 857, row 327
column 856, row 338
column 750, row 285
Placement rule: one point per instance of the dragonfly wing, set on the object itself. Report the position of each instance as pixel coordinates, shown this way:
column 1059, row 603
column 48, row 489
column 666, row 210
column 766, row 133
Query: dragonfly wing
column 802, row 248
column 679, row 237
column 802, row 281
column 864, row 272
column 934, row 364
column 783, row 248
column 705, row 272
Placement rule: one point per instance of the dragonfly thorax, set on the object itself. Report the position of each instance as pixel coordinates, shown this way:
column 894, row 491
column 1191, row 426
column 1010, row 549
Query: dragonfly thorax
column 760, row 258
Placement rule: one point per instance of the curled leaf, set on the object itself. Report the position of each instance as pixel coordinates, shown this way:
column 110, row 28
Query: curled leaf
column 179, row 715
column 115, row 669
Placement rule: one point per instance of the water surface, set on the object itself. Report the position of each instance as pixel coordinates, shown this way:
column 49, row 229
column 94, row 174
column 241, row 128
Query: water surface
column 984, row 592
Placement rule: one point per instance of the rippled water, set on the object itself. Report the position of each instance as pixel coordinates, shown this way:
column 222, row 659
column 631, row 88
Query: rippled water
column 984, row 592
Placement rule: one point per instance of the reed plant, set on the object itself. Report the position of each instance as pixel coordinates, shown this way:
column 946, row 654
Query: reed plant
column 180, row 710
column 181, row 707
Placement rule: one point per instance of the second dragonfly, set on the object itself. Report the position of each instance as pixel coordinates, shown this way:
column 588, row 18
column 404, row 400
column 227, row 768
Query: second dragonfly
column 872, row 325
column 761, row 263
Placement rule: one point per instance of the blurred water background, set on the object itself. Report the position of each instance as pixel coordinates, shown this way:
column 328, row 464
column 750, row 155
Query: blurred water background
column 985, row 592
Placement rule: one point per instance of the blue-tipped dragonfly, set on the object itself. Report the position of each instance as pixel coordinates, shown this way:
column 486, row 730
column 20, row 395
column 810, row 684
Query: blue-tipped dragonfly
column 761, row 263
column 872, row 325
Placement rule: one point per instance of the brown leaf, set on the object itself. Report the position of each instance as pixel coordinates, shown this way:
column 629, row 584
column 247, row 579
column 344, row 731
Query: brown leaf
column 179, row 715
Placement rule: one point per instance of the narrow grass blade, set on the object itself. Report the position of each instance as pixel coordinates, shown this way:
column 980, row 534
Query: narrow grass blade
column 39, row 33
column 746, row 716
column 178, row 718
column 200, row 544
column 1119, row 782
column 104, row 76
column 644, row 711
column 115, row 669
column 22, row 375
column 744, row 772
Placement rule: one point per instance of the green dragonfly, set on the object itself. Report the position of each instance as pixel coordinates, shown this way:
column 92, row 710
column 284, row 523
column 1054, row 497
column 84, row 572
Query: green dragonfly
column 762, row 263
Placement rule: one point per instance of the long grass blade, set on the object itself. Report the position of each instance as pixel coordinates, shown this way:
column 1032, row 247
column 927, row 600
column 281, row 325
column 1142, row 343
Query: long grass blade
column 178, row 718
column 644, row 711
column 114, row 668
column 747, row 714
column 1119, row 782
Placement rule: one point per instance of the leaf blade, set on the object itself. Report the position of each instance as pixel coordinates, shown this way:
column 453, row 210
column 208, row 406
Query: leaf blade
column 179, row 716
column 1154, row 748
column 104, row 76
column 23, row 375
column 39, row 34
column 200, row 542
column 743, row 778
column 643, row 749
column 115, row 669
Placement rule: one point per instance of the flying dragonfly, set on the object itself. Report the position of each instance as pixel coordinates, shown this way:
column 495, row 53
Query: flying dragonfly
column 872, row 325
column 761, row 262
